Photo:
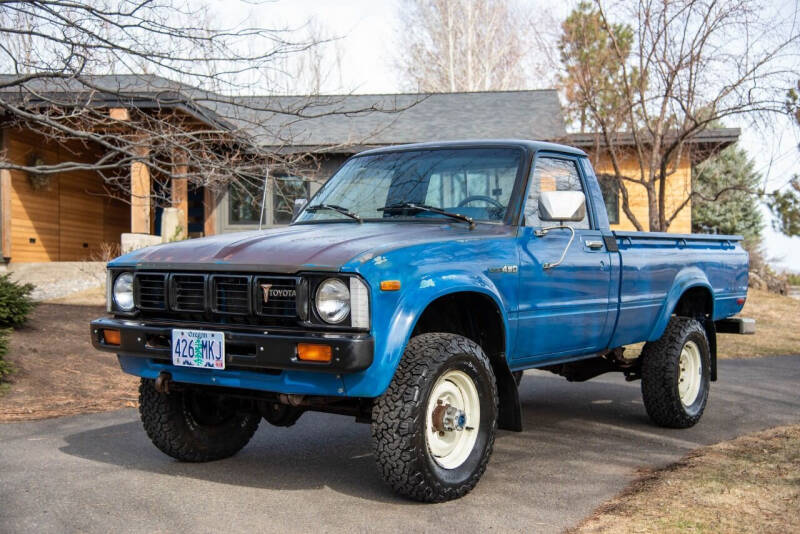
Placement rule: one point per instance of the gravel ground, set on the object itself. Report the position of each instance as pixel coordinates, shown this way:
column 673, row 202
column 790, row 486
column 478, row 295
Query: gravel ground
column 59, row 279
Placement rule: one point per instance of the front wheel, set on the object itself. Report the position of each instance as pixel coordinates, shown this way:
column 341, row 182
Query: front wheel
column 434, row 427
column 193, row 425
column 676, row 374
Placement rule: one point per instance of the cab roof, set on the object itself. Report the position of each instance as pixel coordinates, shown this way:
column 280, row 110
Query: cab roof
column 532, row 146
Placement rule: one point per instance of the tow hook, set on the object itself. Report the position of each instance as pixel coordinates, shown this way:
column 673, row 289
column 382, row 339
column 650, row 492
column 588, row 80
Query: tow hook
column 162, row 382
column 447, row 418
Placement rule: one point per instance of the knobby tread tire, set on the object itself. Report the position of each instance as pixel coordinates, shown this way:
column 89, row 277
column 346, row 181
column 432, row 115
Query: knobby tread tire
column 175, row 434
column 660, row 369
column 398, row 427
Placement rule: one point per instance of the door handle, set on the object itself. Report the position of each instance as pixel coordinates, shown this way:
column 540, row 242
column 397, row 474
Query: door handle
column 594, row 245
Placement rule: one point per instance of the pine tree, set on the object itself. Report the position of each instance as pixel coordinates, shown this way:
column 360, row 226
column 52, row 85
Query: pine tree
column 726, row 195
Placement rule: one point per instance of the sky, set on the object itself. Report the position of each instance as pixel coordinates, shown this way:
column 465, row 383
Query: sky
column 367, row 32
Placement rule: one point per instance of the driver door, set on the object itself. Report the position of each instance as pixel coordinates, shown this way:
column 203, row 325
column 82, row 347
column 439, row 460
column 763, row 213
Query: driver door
column 563, row 310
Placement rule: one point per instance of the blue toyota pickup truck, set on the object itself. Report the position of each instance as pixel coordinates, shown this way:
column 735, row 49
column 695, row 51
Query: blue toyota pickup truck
column 411, row 292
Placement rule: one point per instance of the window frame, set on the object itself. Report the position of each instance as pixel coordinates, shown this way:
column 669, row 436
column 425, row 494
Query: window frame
column 581, row 177
column 513, row 210
column 224, row 206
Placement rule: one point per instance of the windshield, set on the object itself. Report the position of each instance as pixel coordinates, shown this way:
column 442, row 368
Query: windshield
column 473, row 182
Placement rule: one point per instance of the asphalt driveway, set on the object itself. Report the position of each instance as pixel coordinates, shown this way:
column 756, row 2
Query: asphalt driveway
column 582, row 444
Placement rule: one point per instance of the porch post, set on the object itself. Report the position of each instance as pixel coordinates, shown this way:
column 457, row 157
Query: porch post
column 180, row 191
column 5, row 204
column 209, row 211
column 5, row 214
column 140, row 194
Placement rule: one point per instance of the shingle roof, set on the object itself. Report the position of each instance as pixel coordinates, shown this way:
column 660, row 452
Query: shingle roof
column 342, row 123
column 408, row 118
column 330, row 121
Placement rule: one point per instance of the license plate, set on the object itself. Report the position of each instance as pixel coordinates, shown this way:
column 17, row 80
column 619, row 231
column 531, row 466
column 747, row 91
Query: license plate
column 198, row 348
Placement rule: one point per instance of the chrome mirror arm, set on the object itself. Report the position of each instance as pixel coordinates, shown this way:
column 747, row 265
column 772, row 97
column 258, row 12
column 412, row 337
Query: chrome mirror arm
column 543, row 232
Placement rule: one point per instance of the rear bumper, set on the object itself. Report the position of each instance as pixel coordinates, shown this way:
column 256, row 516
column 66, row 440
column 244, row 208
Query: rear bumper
column 244, row 350
column 736, row 325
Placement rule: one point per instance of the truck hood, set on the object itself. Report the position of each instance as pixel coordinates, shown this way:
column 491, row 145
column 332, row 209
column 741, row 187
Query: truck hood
column 301, row 247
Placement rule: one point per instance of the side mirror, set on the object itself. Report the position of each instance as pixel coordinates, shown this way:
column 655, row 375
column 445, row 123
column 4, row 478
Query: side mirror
column 562, row 206
column 299, row 204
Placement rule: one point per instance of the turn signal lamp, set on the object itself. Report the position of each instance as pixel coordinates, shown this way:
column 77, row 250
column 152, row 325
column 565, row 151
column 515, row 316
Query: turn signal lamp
column 311, row 352
column 111, row 337
column 390, row 285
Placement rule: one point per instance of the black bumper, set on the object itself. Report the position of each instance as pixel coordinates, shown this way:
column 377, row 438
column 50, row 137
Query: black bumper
column 736, row 325
column 253, row 350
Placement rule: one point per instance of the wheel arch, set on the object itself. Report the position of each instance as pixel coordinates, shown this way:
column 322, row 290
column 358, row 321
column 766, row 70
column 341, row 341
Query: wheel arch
column 691, row 296
column 477, row 315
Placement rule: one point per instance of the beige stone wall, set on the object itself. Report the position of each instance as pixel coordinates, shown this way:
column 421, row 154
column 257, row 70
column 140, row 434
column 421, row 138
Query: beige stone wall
column 679, row 186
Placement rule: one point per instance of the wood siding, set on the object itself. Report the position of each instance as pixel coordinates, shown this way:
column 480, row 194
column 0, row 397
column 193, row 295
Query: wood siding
column 679, row 187
column 71, row 218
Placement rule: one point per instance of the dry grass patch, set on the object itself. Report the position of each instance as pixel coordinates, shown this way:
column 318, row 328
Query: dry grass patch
column 750, row 484
column 58, row 372
column 777, row 327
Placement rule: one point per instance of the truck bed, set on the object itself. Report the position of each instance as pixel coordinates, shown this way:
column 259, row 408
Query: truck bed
column 657, row 268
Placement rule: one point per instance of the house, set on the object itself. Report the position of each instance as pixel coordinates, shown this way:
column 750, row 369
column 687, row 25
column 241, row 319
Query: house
column 70, row 215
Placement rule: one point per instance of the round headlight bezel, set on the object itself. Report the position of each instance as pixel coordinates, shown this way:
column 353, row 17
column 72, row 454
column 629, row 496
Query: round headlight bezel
column 326, row 293
column 122, row 292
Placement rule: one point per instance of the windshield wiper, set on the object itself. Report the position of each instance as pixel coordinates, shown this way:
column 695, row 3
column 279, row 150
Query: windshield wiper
column 432, row 209
column 334, row 207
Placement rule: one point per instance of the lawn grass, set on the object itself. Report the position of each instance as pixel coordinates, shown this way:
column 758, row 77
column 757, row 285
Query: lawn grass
column 750, row 484
column 777, row 327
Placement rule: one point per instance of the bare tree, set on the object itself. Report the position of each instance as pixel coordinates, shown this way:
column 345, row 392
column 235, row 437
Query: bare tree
column 315, row 70
column 464, row 45
column 185, row 81
column 689, row 64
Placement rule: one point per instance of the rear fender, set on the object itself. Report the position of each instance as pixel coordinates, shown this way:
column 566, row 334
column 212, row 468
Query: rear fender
column 686, row 279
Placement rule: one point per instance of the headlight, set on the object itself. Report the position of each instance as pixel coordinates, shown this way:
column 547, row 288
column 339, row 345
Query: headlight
column 333, row 301
column 123, row 292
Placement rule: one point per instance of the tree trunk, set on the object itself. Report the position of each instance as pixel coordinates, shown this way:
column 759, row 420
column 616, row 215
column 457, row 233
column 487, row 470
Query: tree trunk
column 654, row 216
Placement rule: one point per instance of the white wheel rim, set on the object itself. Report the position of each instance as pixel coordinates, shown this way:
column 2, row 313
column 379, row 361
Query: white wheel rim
column 690, row 374
column 451, row 448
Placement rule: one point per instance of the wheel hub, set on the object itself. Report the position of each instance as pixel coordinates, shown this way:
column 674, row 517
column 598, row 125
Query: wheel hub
column 690, row 373
column 447, row 418
column 453, row 415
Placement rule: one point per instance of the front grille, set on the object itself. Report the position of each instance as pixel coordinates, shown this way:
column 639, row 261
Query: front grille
column 231, row 294
column 277, row 297
column 189, row 292
column 235, row 299
column 150, row 291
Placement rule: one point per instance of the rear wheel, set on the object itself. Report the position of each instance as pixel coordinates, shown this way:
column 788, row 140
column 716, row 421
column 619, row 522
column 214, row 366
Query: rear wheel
column 676, row 374
column 193, row 425
column 434, row 427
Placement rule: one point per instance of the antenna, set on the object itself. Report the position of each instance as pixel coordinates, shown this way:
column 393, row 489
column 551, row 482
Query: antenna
column 264, row 199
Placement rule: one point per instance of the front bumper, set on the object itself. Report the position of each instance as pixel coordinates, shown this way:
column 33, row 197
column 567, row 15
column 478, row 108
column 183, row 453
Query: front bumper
column 244, row 350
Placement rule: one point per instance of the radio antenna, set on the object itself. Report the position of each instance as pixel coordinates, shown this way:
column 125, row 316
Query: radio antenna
column 263, row 199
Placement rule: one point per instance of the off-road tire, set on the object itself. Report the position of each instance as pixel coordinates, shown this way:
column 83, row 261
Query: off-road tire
column 399, row 419
column 172, row 425
column 661, row 369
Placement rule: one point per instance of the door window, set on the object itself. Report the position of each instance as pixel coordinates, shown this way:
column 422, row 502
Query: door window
column 552, row 174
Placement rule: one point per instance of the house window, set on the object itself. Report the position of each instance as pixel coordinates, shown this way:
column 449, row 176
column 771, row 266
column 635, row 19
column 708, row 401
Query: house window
column 610, row 188
column 244, row 200
column 285, row 190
